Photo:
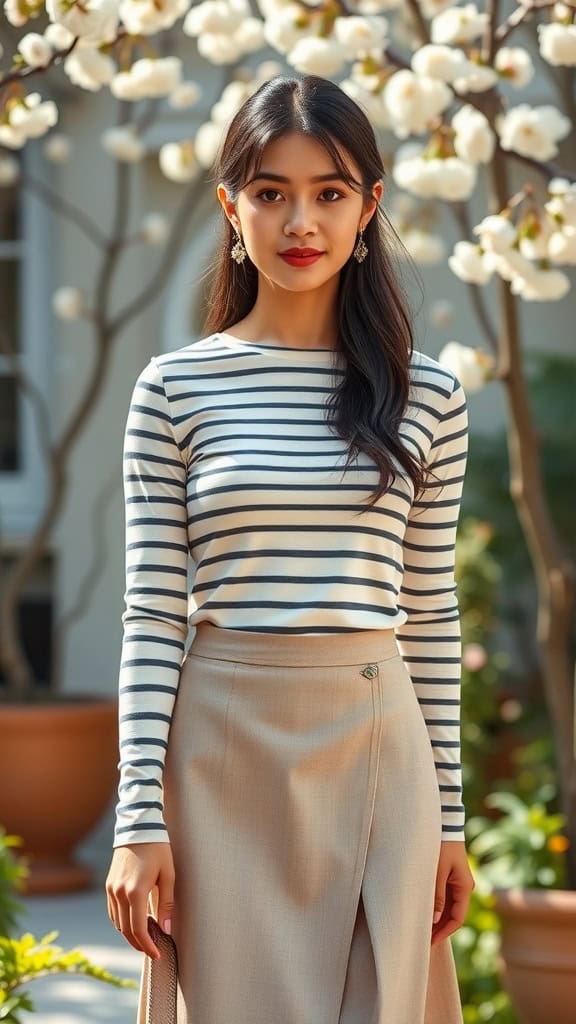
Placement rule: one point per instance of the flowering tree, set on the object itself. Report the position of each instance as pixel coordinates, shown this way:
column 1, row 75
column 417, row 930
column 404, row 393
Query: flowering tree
column 438, row 81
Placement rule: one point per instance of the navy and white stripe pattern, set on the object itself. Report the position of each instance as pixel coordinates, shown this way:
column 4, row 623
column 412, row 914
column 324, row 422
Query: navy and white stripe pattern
column 239, row 510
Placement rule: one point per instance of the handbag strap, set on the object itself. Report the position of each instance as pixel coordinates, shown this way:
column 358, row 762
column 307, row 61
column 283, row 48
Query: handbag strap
column 162, row 995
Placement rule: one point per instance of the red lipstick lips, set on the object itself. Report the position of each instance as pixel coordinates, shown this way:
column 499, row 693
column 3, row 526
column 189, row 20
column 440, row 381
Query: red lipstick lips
column 301, row 257
column 301, row 252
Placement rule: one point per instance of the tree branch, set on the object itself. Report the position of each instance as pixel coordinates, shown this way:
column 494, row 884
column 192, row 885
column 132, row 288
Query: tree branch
column 524, row 12
column 460, row 212
column 67, row 209
column 420, row 23
column 21, row 74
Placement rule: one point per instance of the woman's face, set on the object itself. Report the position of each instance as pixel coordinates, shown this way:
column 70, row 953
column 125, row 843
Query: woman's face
column 284, row 208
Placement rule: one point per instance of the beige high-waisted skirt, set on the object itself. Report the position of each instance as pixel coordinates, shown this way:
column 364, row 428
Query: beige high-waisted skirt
column 303, row 811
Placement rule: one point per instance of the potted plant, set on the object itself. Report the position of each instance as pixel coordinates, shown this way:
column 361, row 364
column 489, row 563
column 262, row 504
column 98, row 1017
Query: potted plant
column 26, row 958
column 520, row 858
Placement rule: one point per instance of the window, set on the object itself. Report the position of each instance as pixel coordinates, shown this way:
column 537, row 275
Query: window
column 26, row 322
column 10, row 276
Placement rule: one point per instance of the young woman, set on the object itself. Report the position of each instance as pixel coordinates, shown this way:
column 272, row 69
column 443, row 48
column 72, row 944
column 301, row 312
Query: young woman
column 290, row 798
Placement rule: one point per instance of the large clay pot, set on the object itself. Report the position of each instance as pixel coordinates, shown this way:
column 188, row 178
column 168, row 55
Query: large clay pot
column 58, row 766
column 538, row 964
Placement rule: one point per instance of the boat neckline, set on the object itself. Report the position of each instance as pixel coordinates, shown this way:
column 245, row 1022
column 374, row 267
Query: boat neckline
column 282, row 351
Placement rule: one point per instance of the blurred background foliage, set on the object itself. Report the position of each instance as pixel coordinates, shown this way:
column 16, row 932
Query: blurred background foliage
column 514, row 827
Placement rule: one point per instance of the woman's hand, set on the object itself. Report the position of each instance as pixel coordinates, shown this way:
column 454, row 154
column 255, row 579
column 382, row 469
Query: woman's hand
column 135, row 870
column 454, row 885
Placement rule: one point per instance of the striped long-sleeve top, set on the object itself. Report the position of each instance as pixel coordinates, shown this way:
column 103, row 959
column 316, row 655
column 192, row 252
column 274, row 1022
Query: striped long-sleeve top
column 240, row 510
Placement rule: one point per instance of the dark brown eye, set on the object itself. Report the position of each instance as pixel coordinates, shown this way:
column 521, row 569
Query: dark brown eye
column 273, row 191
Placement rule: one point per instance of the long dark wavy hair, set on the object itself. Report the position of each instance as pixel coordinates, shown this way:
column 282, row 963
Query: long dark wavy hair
column 373, row 316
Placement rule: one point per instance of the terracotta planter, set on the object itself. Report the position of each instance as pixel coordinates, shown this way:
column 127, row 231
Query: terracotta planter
column 538, row 953
column 58, row 765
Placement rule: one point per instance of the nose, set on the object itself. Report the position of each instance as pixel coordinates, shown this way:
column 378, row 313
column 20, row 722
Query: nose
column 300, row 221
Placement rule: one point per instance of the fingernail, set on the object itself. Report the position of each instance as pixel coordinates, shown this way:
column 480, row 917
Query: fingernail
column 437, row 916
column 168, row 926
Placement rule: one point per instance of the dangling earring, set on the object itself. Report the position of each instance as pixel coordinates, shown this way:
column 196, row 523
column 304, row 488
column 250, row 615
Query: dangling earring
column 361, row 249
column 238, row 251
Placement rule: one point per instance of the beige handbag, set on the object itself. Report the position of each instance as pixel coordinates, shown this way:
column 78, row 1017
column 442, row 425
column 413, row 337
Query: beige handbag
column 162, row 978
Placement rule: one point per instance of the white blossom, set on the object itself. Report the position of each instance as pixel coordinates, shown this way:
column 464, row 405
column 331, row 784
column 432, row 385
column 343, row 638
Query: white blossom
column 451, row 179
column 515, row 65
column 123, row 143
column 178, row 161
column 215, row 17
column 423, row 246
column 283, row 28
column 359, row 35
column 478, row 78
column 562, row 207
column 441, row 313
column 413, row 101
column 95, row 21
column 443, row 62
column 148, row 77
column 375, row 6
column 11, row 137
column 430, row 8
column 558, row 186
column 370, row 102
column 219, row 49
column 28, row 119
column 528, row 281
column 534, row 244
column 68, row 303
column 511, row 265
column 557, row 44
column 15, row 13
column 57, row 148
column 154, row 228
column 34, row 117
column 315, row 56
column 457, row 25
column 184, row 95
column 207, row 143
column 233, row 96
column 497, row 233
column 269, row 8
column 89, row 69
column 562, row 245
column 471, row 366
column 268, row 69
column 562, row 12
column 145, row 17
column 9, row 171
column 59, row 37
column 470, row 264
column 474, row 140
column 532, row 131
column 35, row 49
column 250, row 35
column 541, row 286
column 370, row 80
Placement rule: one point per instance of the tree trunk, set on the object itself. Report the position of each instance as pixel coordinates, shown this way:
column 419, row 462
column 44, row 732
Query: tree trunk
column 553, row 570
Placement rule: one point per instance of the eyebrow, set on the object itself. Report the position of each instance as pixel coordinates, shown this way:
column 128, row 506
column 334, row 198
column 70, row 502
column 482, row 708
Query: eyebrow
column 280, row 177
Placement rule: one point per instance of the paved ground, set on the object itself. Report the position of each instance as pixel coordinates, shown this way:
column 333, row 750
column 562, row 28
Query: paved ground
column 82, row 922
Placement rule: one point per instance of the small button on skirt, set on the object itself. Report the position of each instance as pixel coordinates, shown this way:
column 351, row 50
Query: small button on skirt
column 303, row 812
